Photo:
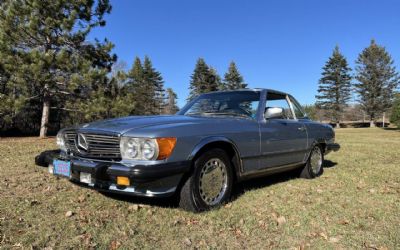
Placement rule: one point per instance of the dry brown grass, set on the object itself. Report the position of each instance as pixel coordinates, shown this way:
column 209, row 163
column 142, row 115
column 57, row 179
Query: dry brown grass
column 355, row 204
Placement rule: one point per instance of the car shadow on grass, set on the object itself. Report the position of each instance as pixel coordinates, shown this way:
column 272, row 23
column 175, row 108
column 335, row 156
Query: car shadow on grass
column 238, row 190
column 168, row 202
column 263, row 182
column 329, row 164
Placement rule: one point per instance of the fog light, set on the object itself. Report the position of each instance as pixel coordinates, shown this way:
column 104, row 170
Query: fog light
column 51, row 168
column 123, row 181
column 85, row 177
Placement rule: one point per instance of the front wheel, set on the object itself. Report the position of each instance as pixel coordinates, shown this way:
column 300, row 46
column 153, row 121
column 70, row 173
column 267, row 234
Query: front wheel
column 210, row 183
column 313, row 167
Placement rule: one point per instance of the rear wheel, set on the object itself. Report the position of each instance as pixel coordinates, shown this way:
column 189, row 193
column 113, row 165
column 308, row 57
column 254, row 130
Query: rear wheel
column 210, row 183
column 313, row 167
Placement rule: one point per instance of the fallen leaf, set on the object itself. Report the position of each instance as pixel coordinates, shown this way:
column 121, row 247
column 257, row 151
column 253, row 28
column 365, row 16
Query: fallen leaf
column 187, row 242
column 81, row 198
column 323, row 235
column 228, row 205
column 344, row 222
column 115, row 244
column 134, row 207
column 69, row 214
column 281, row 220
column 34, row 202
column 333, row 240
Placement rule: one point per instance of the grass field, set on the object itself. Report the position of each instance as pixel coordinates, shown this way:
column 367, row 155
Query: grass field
column 354, row 204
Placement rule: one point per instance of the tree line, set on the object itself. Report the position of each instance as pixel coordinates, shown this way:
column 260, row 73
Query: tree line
column 52, row 77
column 374, row 84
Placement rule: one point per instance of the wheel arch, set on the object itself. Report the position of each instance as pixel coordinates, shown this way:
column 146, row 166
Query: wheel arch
column 319, row 141
column 222, row 143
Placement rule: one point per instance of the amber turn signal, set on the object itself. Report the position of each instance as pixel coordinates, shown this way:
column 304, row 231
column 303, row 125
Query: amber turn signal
column 165, row 147
column 123, row 181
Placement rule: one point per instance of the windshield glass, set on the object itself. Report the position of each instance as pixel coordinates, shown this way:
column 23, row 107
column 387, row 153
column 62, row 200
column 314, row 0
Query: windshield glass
column 241, row 104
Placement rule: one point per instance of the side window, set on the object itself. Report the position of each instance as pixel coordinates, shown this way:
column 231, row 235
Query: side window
column 279, row 101
column 297, row 108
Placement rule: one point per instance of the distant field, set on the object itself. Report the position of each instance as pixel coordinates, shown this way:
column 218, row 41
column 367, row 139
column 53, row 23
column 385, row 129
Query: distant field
column 354, row 204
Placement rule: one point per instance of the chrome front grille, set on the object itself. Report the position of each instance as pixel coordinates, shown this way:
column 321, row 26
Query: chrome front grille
column 103, row 146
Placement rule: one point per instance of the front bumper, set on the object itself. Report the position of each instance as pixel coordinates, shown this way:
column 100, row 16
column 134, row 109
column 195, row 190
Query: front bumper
column 332, row 147
column 152, row 180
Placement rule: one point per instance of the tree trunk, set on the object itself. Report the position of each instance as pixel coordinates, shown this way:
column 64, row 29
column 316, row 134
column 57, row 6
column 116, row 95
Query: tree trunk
column 45, row 118
column 337, row 124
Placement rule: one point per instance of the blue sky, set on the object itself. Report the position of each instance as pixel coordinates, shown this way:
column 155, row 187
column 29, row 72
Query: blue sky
column 276, row 44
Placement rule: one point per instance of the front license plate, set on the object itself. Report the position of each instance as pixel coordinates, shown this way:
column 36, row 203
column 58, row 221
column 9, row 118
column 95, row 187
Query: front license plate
column 62, row 168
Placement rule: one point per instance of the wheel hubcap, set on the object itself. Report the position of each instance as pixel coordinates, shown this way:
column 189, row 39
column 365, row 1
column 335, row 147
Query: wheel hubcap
column 316, row 160
column 213, row 181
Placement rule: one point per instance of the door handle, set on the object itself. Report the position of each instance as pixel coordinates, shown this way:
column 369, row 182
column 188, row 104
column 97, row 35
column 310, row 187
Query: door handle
column 302, row 128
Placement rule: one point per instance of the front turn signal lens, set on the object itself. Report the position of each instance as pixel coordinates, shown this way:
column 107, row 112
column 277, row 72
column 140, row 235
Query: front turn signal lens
column 123, row 181
column 165, row 147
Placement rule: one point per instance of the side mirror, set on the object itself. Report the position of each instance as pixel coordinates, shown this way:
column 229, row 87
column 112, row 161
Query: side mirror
column 273, row 112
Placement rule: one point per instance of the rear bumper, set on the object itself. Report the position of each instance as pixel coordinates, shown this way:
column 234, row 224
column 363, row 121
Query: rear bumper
column 332, row 147
column 152, row 180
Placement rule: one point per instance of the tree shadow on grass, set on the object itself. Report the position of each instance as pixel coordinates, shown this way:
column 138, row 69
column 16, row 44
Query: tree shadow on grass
column 392, row 129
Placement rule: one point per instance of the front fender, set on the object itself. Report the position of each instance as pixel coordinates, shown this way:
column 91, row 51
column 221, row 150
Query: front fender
column 212, row 139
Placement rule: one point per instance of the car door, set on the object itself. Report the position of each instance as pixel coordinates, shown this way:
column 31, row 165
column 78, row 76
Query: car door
column 283, row 139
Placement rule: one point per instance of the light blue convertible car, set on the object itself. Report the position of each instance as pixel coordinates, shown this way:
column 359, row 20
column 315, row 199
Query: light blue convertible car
column 215, row 141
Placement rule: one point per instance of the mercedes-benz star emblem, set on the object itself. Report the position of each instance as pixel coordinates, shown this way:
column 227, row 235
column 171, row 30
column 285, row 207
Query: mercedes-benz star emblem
column 82, row 143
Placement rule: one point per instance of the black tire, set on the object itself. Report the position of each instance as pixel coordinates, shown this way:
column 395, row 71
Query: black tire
column 307, row 172
column 190, row 194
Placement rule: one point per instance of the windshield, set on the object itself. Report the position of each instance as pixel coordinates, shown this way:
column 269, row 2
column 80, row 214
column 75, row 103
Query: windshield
column 241, row 104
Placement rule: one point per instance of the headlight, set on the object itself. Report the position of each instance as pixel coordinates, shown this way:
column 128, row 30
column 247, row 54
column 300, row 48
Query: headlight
column 146, row 148
column 61, row 141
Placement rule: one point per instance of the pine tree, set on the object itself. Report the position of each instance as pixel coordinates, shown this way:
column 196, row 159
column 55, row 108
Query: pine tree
column 233, row 79
column 171, row 107
column 146, row 85
column 377, row 80
column 335, row 85
column 202, row 80
column 215, row 79
column 43, row 49
column 134, row 86
column 154, row 87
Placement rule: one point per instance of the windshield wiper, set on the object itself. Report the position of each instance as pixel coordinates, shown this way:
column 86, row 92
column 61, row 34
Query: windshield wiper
column 219, row 113
column 226, row 113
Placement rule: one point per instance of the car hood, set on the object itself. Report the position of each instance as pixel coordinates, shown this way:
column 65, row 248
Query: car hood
column 125, row 124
